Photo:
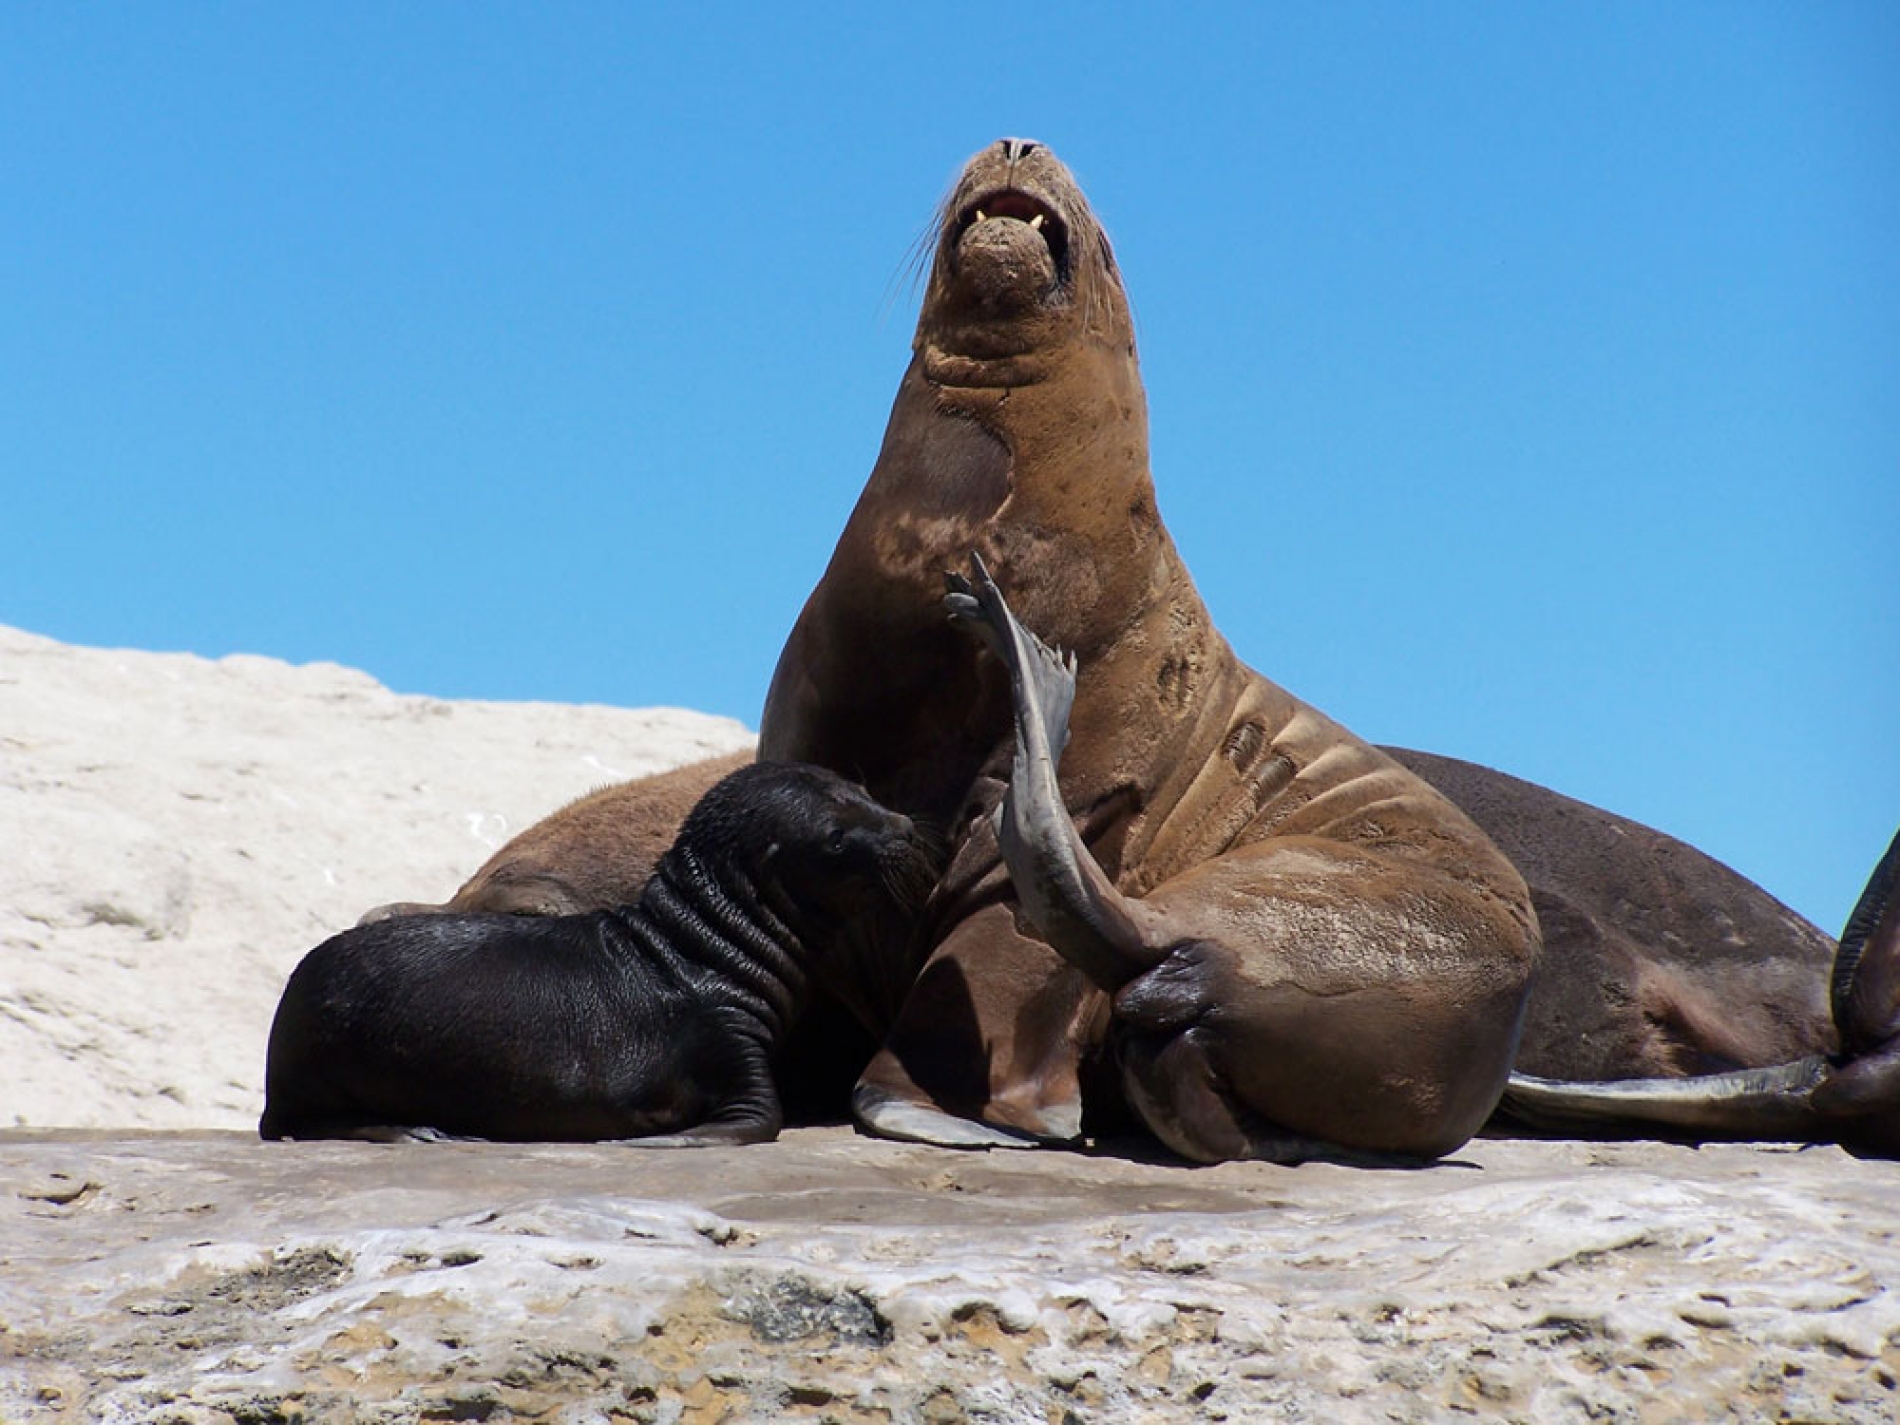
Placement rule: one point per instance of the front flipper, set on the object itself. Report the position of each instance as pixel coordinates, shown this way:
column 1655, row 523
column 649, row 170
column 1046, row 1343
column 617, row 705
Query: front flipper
column 705, row 1135
column 991, row 1038
column 1065, row 892
column 750, row 1111
column 392, row 1133
column 884, row 1115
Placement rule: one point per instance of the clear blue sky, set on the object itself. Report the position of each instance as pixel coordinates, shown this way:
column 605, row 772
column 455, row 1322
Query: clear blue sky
column 1524, row 380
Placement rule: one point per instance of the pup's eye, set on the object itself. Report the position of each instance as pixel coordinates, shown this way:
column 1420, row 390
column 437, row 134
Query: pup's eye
column 834, row 843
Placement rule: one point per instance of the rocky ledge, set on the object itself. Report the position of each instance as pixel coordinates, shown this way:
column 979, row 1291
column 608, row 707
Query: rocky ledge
column 208, row 1277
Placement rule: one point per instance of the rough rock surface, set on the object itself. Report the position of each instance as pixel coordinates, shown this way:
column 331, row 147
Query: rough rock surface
column 179, row 832
column 209, row 1277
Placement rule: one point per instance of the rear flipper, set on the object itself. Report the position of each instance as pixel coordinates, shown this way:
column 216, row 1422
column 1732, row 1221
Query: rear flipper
column 1065, row 893
column 355, row 1132
column 1749, row 1103
column 1853, row 1097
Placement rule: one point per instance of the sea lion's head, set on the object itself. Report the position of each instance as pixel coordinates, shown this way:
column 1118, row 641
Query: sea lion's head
column 816, row 847
column 1022, row 270
column 844, row 873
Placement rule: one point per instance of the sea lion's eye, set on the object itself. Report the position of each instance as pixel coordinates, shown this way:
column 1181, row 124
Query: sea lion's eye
column 834, row 843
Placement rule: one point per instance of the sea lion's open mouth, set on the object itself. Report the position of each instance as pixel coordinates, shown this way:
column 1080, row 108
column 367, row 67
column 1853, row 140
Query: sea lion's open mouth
column 1014, row 205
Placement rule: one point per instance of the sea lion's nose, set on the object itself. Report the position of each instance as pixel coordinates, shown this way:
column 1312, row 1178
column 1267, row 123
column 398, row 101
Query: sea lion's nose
column 1015, row 150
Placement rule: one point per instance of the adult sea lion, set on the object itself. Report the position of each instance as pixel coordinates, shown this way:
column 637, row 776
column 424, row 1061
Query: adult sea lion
column 660, row 1017
column 1658, row 960
column 1019, row 431
column 1851, row 1094
column 1185, row 1009
column 1393, row 942
column 593, row 853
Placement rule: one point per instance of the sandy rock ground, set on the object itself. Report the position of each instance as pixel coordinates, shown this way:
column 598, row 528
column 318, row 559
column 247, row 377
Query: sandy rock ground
column 178, row 832
column 209, row 1277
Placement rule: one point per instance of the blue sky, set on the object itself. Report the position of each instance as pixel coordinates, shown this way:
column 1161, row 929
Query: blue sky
column 1524, row 381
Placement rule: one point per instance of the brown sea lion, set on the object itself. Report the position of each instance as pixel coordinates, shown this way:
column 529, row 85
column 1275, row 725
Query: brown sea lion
column 662, row 1017
column 1387, row 944
column 1852, row 1095
column 593, row 853
column 1658, row 960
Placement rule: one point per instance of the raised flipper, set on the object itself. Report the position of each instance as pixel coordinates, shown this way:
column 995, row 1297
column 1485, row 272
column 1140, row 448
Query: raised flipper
column 1063, row 890
column 1852, row 1097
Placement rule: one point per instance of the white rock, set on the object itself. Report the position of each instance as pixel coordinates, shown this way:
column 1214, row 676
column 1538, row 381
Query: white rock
column 179, row 831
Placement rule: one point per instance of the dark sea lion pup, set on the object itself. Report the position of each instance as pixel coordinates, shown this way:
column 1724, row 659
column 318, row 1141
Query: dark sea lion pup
column 657, row 1018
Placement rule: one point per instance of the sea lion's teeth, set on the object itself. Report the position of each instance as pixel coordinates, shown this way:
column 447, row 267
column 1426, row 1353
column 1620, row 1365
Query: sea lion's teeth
column 1036, row 222
column 981, row 216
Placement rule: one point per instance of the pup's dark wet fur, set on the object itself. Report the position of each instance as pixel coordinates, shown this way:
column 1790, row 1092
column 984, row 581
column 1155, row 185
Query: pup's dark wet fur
column 657, row 1018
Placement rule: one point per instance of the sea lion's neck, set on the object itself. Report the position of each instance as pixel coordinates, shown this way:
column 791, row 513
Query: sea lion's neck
column 1048, row 481
column 706, row 918
column 1072, row 419
column 966, row 345
column 1079, row 471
